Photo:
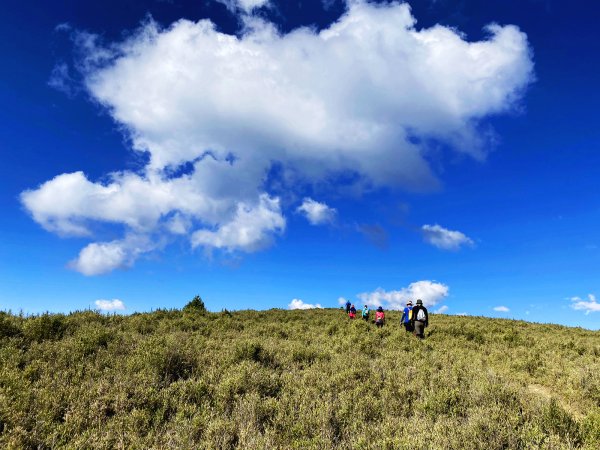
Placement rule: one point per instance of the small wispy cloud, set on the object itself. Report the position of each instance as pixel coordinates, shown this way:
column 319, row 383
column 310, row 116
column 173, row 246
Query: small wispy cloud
column 375, row 234
column 441, row 310
column 589, row 305
column 299, row 304
column 243, row 5
column 64, row 26
column 501, row 309
column 110, row 305
column 317, row 213
column 443, row 238
column 61, row 80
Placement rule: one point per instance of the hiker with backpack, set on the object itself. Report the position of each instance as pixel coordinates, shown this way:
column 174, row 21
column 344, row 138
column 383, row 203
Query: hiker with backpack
column 365, row 313
column 352, row 313
column 406, row 319
column 420, row 319
column 379, row 317
column 348, row 305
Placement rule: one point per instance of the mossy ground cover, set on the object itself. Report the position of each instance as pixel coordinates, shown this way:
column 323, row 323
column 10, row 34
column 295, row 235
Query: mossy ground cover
column 294, row 379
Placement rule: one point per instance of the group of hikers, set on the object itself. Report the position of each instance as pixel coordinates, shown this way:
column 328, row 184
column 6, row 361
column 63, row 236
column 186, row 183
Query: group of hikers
column 414, row 319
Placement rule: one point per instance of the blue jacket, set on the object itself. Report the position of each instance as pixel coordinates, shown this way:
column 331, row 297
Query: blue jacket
column 405, row 314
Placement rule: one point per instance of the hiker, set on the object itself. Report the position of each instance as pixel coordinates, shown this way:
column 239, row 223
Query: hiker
column 379, row 317
column 352, row 312
column 420, row 319
column 407, row 316
column 365, row 313
column 348, row 305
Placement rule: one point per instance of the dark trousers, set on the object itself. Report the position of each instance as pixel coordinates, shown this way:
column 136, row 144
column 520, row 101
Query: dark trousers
column 408, row 326
column 419, row 329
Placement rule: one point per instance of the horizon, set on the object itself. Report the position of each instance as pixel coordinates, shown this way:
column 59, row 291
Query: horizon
column 125, row 313
column 278, row 155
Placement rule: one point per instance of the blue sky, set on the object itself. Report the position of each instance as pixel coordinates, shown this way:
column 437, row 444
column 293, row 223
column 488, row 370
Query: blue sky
column 259, row 152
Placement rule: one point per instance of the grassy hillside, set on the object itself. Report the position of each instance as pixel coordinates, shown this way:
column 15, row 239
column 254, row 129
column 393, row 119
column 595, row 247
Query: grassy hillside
column 294, row 379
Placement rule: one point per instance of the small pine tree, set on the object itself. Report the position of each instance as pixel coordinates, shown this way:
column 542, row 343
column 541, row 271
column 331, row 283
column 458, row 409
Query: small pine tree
column 195, row 305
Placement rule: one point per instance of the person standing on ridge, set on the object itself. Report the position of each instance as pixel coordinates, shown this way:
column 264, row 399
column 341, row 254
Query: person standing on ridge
column 348, row 305
column 352, row 313
column 407, row 316
column 365, row 313
column 379, row 317
column 420, row 319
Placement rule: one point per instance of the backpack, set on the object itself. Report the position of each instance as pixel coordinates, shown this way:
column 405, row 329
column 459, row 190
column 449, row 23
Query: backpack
column 421, row 315
column 409, row 315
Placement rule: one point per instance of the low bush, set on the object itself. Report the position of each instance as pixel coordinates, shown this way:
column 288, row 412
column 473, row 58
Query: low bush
column 294, row 379
column 44, row 327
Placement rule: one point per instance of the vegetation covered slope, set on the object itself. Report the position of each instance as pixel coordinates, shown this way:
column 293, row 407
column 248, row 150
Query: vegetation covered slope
column 294, row 379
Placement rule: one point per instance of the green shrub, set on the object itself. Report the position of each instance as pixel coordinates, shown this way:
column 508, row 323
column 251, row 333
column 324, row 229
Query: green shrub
column 253, row 351
column 44, row 327
column 168, row 359
column 92, row 338
column 590, row 428
column 558, row 421
column 9, row 326
column 294, row 379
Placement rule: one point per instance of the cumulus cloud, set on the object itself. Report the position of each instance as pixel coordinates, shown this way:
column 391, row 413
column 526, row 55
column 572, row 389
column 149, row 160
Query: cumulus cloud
column 98, row 258
column 342, row 301
column 249, row 230
column 110, row 305
column 441, row 310
column 299, row 304
column 102, row 257
column 430, row 292
column 501, row 309
column 443, row 238
column 317, row 213
column 589, row 305
column 359, row 98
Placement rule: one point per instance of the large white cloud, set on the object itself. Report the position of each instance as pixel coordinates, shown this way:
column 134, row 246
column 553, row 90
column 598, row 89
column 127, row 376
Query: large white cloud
column 430, row 292
column 360, row 97
column 443, row 238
